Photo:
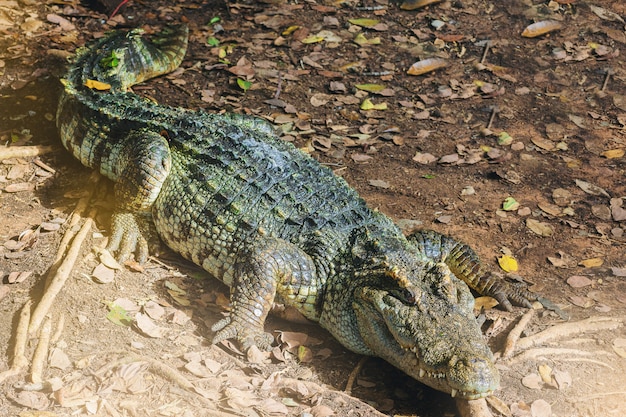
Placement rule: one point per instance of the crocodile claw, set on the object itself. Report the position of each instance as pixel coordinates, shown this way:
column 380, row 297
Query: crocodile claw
column 246, row 335
column 127, row 236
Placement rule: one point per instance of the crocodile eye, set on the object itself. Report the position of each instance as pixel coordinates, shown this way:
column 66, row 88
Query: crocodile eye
column 407, row 295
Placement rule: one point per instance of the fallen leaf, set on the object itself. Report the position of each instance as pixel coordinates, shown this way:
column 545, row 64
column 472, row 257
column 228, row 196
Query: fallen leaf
column 379, row 183
column 541, row 408
column 613, row 153
column 545, row 144
column 541, row 28
column 364, row 22
column 416, row 4
column 118, row 315
column 545, row 372
column 427, row 65
column 508, row 263
column 532, row 381
column 591, row 189
column 563, row 261
column 540, row 228
column 424, row 158
column 368, row 105
column 371, row 88
column 561, row 197
column 592, row 262
column 618, row 272
column 605, row 14
column 578, row 281
column 103, row 274
column 563, row 379
column 510, row 204
column 147, row 326
column 579, row 301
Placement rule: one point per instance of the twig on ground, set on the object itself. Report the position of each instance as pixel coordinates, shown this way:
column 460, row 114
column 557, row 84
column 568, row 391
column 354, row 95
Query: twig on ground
column 485, row 51
column 355, row 372
column 516, row 332
column 41, row 352
column 568, row 329
column 61, row 275
column 21, row 337
column 23, row 151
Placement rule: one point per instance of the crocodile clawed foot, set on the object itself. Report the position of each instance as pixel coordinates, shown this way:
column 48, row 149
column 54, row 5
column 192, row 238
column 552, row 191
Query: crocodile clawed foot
column 246, row 334
column 127, row 236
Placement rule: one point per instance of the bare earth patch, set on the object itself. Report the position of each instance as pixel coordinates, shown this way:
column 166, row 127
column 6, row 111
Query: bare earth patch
column 457, row 116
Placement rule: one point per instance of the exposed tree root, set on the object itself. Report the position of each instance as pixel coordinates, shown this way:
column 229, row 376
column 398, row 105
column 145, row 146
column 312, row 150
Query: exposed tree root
column 19, row 362
column 569, row 329
column 355, row 372
column 61, row 276
column 23, row 151
column 516, row 332
column 535, row 353
column 41, row 352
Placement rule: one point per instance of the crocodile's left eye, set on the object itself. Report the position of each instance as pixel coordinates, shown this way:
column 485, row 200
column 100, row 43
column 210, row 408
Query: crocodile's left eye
column 410, row 296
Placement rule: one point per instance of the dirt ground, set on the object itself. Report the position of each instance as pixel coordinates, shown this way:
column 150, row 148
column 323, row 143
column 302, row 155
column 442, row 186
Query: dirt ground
column 513, row 144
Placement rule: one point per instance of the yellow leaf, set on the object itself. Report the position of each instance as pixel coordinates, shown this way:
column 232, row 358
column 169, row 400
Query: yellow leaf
column 361, row 40
column 507, row 263
column 312, row 39
column 613, row 153
column 290, row 30
column 97, row 85
column 591, row 262
column 372, row 88
column 368, row 105
column 366, row 23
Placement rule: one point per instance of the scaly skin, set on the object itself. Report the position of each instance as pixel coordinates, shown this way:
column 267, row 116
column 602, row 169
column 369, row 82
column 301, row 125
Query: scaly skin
column 269, row 221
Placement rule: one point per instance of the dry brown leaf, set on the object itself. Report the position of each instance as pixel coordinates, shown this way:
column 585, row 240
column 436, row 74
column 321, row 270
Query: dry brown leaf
column 578, row 281
column 540, row 228
column 424, row 158
column 379, row 183
column 147, row 327
column 320, row 99
column 102, row 274
column 562, row 379
column 618, row 272
column 545, row 144
column 591, row 189
column 59, row 359
column 321, row 411
column 561, row 197
column 541, row 408
column 579, row 301
column 532, row 381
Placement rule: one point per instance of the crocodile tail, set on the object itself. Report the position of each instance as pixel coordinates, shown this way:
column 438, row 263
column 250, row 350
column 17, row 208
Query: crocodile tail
column 466, row 265
column 123, row 59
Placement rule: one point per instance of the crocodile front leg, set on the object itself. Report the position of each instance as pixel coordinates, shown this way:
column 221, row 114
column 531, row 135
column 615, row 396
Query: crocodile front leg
column 464, row 263
column 271, row 268
column 139, row 166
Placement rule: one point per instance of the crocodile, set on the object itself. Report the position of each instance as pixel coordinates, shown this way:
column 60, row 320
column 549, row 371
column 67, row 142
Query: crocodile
column 224, row 191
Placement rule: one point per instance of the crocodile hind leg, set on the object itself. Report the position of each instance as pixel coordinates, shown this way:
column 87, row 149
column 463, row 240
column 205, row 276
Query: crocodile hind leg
column 464, row 263
column 270, row 268
column 139, row 165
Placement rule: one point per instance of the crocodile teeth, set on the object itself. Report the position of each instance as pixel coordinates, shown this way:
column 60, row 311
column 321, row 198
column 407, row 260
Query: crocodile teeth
column 422, row 373
column 453, row 393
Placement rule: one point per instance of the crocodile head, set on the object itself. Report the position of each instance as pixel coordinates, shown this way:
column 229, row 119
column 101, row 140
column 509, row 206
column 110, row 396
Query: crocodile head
column 427, row 329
